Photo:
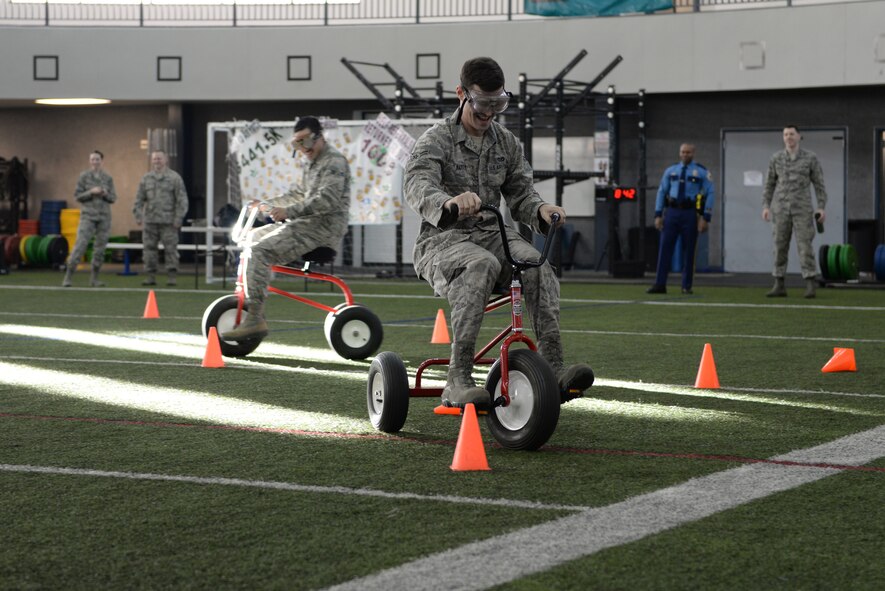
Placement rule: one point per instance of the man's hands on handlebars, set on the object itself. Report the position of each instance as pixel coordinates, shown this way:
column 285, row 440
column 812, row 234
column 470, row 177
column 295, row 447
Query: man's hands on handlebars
column 546, row 212
column 277, row 214
column 469, row 204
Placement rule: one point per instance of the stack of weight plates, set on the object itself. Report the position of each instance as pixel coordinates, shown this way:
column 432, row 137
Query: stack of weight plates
column 838, row 262
column 50, row 212
column 878, row 263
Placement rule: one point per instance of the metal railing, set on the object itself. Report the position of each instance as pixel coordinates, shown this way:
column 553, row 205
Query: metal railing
column 298, row 13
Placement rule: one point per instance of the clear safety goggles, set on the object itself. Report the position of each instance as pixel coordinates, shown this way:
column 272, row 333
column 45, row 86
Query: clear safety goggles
column 488, row 103
column 306, row 142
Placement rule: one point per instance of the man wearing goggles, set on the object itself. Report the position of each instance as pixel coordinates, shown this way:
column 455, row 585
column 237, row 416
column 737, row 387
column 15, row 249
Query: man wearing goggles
column 468, row 160
column 309, row 216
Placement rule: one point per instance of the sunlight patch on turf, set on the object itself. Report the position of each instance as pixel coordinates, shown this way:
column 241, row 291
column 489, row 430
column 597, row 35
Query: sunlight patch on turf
column 144, row 344
column 189, row 404
column 265, row 349
column 658, row 412
column 726, row 395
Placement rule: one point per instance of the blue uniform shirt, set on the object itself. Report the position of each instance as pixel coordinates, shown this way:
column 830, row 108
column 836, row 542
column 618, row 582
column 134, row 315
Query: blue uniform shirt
column 698, row 188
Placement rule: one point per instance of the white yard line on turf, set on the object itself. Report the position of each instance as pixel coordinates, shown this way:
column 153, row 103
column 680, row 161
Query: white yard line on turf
column 289, row 486
column 505, row 558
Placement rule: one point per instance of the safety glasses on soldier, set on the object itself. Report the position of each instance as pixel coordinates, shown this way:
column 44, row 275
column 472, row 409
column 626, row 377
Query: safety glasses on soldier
column 305, row 142
column 485, row 103
column 482, row 102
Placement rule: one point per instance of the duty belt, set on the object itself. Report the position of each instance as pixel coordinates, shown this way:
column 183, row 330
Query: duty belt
column 684, row 204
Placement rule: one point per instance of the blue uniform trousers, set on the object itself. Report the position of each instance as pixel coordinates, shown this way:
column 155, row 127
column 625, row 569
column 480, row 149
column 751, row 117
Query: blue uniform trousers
column 684, row 223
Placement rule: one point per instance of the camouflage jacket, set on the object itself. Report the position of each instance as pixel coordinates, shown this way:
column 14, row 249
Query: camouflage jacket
column 161, row 198
column 446, row 162
column 322, row 198
column 789, row 181
column 95, row 207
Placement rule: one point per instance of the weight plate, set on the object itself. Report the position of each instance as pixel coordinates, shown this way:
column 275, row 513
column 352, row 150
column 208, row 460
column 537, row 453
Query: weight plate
column 23, row 247
column 848, row 262
column 879, row 266
column 12, row 255
column 58, row 251
column 833, row 262
column 822, row 259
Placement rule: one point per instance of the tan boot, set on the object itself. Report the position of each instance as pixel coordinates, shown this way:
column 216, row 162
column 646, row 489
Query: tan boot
column 460, row 388
column 69, row 274
column 94, row 281
column 254, row 326
column 810, row 289
column 170, row 278
column 778, row 291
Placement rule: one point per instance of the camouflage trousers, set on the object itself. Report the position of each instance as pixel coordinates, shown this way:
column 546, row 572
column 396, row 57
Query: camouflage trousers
column 274, row 244
column 152, row 235
column 88, row 229
column 466, row 274
column 783, row 224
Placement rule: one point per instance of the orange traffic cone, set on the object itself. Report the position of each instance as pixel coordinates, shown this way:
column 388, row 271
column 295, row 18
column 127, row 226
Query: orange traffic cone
column 469, row 451
column 150, row 307
column 212, row 356
column 440, row 330
column 707, row 377
column 842, row 360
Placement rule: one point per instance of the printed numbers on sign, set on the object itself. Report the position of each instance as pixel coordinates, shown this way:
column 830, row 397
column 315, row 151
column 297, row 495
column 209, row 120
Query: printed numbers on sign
column 260, row 148
column 377, row 154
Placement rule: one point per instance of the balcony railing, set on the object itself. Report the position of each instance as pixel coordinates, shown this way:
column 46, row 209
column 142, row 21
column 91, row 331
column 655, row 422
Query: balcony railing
column 223, row 13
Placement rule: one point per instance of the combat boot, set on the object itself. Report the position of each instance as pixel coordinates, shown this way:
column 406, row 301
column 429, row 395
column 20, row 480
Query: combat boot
column 460, row 388
column 170, row 278
column 69, row 273
column 151, row 280
column 254, row 326
column 778, row 291
column 94, row 281
column 573, row 380
column 809, row 289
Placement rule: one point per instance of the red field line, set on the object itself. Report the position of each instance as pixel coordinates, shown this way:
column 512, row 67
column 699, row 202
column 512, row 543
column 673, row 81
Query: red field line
column 449, row 442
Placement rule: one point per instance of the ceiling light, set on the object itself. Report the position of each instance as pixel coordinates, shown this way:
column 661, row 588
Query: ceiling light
column 72, row 101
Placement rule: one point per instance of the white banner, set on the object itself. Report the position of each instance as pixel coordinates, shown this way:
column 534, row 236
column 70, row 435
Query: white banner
column 376, row 151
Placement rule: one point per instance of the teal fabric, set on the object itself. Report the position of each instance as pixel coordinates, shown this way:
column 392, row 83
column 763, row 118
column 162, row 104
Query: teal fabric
column 594, row 7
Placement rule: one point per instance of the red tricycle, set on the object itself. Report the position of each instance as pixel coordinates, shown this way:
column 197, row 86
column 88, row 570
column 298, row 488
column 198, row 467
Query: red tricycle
column 524, row 397
column 351, row 329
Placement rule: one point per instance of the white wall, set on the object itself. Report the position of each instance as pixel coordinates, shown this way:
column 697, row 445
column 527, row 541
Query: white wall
column 812, row 46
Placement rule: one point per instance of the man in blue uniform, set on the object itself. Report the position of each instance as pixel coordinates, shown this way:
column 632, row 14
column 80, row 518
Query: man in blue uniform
column 686, row 191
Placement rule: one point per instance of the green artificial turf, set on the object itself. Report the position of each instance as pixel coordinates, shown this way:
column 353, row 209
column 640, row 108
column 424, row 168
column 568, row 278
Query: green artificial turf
column 299, row 417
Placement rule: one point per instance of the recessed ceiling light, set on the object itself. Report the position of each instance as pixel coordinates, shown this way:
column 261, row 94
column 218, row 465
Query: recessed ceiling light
column 72, row 101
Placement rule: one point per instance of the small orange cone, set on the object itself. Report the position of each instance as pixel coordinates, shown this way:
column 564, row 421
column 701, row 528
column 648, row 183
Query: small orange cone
column 842, row 360
column 707, row 377
column 212, row 357
column 440, row 330
column 469, row 451
column 150, row 307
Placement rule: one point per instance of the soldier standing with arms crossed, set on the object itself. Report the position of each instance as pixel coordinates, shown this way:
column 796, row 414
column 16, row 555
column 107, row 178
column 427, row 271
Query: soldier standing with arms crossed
column 95, row 192
column 160, row 204
column 787, row 203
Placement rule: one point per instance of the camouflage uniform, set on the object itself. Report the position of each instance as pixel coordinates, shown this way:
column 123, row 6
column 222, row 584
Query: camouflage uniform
column 788, row 196
column 464, row 263
column 160, row 204
column 95, row 216
column 317, row 216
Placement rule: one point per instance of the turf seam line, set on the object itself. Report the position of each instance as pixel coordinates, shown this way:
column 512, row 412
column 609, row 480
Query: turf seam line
column 288, row 486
